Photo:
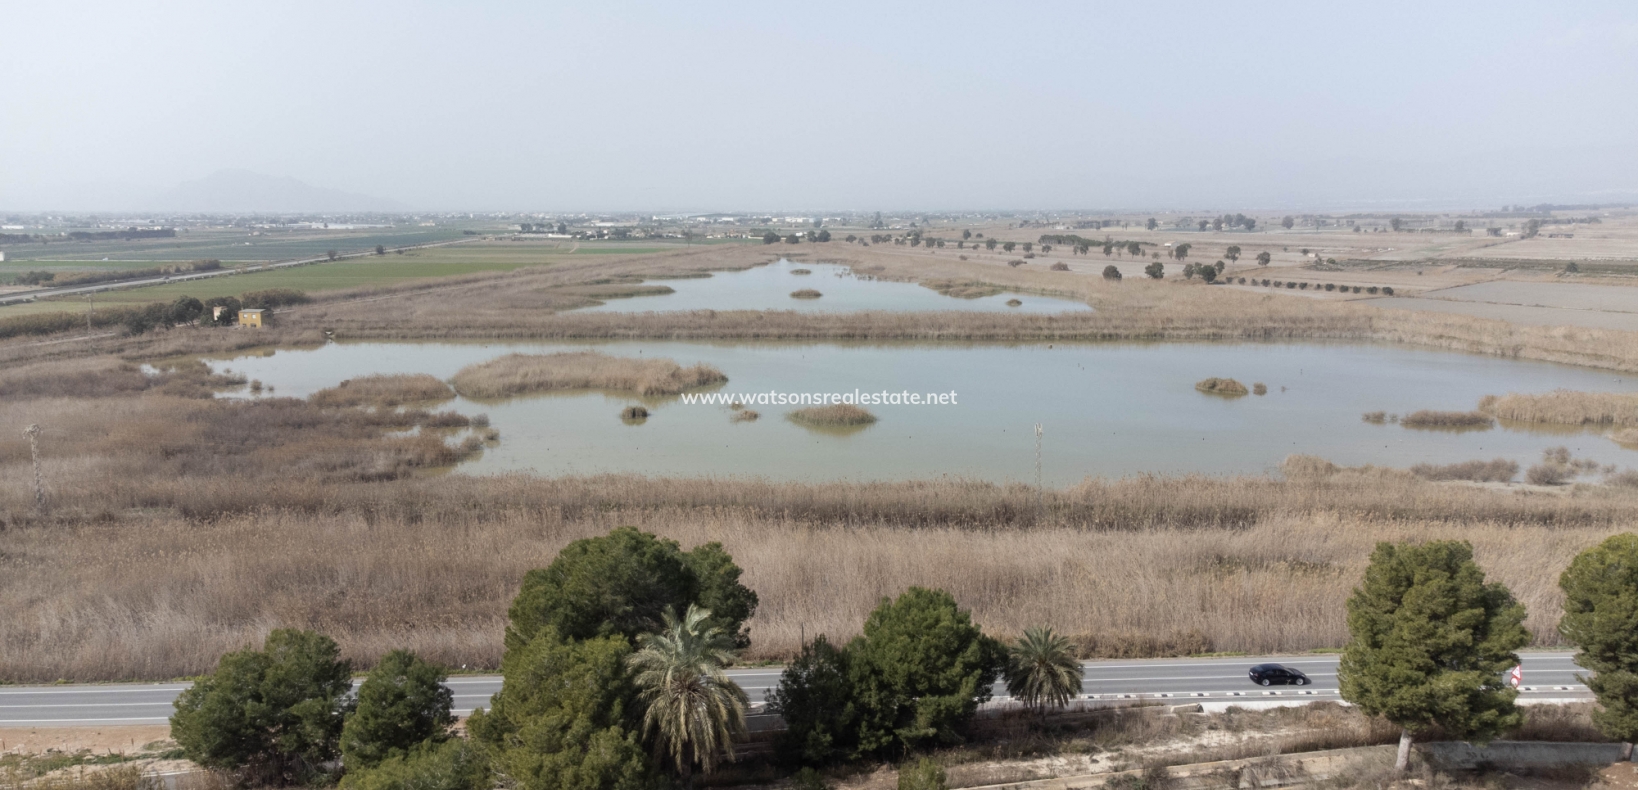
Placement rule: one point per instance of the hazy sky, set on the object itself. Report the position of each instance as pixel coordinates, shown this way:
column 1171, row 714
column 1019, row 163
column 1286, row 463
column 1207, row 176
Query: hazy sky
column 870, row 105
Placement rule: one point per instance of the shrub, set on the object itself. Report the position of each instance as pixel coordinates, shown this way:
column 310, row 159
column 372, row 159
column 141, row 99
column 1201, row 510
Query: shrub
column 621, row 583
column 1060, row 266
column 1259, row 388
column 1217, row 386
column 633, row 413
column 815, row 699
column 1447, row 419
column 926, row 774
column 1386, row 291
column 272, row 715
column 1547, row 474
column 809, row 779
column 1499, row 470
column 919, row 672
column 1156, row 270
column 230, row 310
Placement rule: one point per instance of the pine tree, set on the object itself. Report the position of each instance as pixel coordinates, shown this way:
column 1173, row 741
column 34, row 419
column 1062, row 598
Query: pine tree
column 1430, row 643
column 1601, row 617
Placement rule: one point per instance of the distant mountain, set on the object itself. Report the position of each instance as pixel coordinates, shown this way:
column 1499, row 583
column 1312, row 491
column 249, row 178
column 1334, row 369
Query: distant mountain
column 244, row 191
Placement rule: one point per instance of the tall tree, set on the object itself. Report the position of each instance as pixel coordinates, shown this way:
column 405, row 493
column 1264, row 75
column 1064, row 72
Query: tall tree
column 692, row 711
column 403, row 704
column 1264, row 257
column 1288, row 222
column 1601, row 617
column 919, row 671
column 272, row 715
column 1042, row 671
column 815, row 699
column 1232, row 253
column 1430, row 643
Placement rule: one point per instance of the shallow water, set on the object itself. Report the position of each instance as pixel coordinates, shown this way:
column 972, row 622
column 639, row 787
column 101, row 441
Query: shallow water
column 769, row 288
column 1107, row 409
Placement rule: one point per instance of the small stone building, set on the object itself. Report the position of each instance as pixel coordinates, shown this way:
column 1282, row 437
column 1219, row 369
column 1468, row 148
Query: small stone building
column 252, row 317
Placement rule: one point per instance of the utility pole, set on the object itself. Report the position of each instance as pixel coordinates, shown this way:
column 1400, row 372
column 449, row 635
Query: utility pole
column 33, row 434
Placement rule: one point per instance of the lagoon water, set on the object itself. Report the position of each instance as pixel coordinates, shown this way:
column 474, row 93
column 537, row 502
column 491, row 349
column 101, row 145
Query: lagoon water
column 1107, row 409
column 769, row 288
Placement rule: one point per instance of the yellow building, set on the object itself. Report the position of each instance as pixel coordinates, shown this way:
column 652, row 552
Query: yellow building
column 250, row 318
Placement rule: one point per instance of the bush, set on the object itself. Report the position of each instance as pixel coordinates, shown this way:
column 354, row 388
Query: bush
column 809, row 779
column 926, row 774
column 633, row 413
column 1547, row 474
column 620, row 583
column 1259, row 388
column 402, row 705
column 816, row 701
column 919, row 672
column 273, row 715
column 1060, row 266
column 230, row 310
column 452, row 765
column 1156, row 270
column 565, row 717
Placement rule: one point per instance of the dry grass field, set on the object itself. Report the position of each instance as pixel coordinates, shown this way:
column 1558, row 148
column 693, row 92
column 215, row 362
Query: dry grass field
column 178, row 526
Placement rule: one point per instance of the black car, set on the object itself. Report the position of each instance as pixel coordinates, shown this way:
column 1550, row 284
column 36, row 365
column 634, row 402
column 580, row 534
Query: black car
column 1276, row 675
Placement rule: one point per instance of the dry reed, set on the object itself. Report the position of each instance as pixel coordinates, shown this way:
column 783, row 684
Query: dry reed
column 523, row 374
column 1447, row 419
column 834, row 415
column 1565, row 407
column 1499, row 470
column 634, row 414
column 1217, row 386
column 387, row 390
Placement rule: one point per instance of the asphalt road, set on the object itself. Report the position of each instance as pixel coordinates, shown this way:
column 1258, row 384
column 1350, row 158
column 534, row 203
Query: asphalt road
column 24, row 296
column 1208, row 680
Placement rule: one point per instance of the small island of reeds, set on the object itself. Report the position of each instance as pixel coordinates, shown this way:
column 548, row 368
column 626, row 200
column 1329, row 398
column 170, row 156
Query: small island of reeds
column 1225, row 387
column 385, row 390
column 801, row 271
column 523, row 374
column 633, row 414
column 836, row 415
column 1465, row 420
column 806, row 293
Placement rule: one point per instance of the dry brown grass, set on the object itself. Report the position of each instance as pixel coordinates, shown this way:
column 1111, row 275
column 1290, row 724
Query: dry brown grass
column 523, row 374
column 385, row 390
column 1217, row 386
column 834, row 415
column 1626, row 436
column 1499, row 470
column 1565, row 407
column 1427, row 418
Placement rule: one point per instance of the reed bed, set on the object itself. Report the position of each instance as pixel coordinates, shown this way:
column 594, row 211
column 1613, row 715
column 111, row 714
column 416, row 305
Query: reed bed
column 1565, row 407
column 1447, row 419
column 159, row 596
column 834, row 415
column 1499, row 470
column 385, row 390
column 1217, row 386
column 523, row 374
column 805, row 293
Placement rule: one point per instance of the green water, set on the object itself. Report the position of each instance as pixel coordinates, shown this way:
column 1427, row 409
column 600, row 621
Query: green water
column 769, row 288
column 1106, row 409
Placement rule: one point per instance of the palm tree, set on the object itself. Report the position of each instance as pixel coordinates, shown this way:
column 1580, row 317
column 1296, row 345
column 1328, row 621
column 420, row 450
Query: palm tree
column 692, row 710
column 1042, row 670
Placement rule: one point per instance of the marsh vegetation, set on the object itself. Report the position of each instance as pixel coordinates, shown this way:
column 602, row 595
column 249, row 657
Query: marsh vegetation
column 525, row 374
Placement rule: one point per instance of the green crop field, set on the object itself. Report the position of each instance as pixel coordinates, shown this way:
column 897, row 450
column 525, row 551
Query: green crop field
column 226, row 245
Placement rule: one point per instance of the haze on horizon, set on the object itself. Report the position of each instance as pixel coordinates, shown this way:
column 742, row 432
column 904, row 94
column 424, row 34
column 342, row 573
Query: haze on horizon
column 739, row 105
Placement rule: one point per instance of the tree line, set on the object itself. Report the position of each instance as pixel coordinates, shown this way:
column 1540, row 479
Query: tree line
column 615, row 655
